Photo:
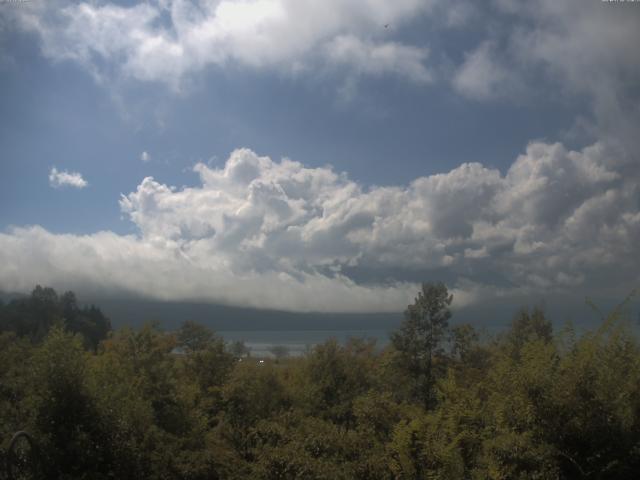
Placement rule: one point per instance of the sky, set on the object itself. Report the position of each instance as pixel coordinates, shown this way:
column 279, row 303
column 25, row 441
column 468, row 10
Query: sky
column 320, row 156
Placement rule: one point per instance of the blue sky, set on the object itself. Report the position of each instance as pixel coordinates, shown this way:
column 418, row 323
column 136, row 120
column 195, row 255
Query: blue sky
column 491, row 146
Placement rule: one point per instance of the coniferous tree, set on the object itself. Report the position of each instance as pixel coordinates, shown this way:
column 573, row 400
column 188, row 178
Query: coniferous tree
column 419, row 340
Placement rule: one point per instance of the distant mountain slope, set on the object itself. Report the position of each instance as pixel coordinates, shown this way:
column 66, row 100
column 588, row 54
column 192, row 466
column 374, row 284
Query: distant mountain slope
column 135, row 312
column 6, row 297
column 492, row 317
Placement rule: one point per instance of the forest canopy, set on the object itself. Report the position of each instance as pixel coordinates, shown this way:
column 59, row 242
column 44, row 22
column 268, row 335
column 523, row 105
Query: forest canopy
column 440, row 401
column 36, row 314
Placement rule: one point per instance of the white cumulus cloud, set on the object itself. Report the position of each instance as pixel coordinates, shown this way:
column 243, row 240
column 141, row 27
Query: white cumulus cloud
column 59, row 179
column 277, row 234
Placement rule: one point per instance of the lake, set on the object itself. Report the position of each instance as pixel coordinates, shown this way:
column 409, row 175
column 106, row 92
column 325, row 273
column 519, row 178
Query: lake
column 298, row 341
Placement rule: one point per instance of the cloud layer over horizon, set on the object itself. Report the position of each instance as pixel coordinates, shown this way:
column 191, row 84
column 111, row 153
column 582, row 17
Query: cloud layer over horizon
column 279, row 235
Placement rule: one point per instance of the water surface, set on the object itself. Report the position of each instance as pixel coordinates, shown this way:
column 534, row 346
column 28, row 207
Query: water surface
column 298, row 341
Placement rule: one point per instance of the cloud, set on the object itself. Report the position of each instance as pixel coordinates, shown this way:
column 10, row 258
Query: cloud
column 145, row 157
column 168, row 40
column 105, row 263
column 481, row 77
column 570, row 48
column 377, row 59
column 588, row 49
column 560, row 50
column 458, row 14
column 277, row 234
column 66, row 179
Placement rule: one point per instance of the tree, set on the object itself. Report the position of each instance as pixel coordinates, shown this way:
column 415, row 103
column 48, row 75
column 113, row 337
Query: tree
column 239, row 349
column 34, row 316
column 206, row 361
column 463, row 339
column 66, row 423
column 419, row 339
column 527, row 327
column 279, row 351
column 335, row 376
column 193, row 336
column 69, row 305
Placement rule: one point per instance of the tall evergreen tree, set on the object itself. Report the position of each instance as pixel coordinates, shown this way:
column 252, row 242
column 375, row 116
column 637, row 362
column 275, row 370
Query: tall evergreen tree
column 419, row 339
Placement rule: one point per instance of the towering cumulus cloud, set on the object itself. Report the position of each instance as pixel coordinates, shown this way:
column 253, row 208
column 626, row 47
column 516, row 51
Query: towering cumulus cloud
column 277, row 234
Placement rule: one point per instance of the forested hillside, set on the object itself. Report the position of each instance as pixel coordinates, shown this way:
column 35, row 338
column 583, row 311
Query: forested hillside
column 440, row 402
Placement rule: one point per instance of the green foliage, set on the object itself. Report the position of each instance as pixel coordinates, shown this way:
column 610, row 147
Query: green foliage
column 193, row 337
column 464, row 340
column 279, row 351
column 335, row 376
column 65, row 419
column 34, row 316
column 419, row 342
column 239, row 349
column 527, row 327
column 207, row 361
column 145, row 403
column 16, row 356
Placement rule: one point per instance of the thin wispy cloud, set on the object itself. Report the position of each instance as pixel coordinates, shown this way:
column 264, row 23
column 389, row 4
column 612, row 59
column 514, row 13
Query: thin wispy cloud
column 62, row 179
column 388, row 58
column 481, row 77
column 145, row 156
